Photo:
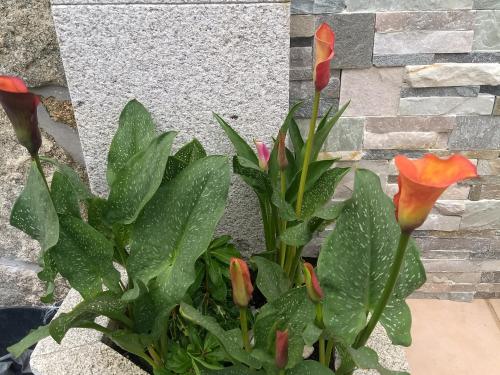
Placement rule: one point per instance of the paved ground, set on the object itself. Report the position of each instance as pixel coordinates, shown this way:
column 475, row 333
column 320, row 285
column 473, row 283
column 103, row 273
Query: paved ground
column 455, row 338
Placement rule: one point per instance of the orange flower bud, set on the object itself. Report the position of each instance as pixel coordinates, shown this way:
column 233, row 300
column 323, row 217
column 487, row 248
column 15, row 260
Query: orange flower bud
column 312, row 283
column 20, row 106
column 281, row 356
column 422, row 181
column 241, row 282
column 282, row 160
column 324, row 40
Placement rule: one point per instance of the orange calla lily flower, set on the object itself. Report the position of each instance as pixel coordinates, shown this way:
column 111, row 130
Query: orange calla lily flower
column 241, row 282
column 20, row 106
column 324, row 40
column 422, row 181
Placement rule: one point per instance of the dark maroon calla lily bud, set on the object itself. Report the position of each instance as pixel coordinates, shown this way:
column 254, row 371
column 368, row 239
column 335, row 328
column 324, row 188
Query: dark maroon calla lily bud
column 282, row 160
column 281, row 349
column 20, row 106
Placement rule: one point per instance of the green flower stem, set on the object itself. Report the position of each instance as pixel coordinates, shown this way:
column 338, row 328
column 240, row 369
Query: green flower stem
column 36, row 158
column 289, row 262
column 329, row 352
column 283, row 222
column 156, row 358
column 281, row 372
column 244, row 329
column 387, row 292
column 307, row 156
column 319, row 323
column 265, row 223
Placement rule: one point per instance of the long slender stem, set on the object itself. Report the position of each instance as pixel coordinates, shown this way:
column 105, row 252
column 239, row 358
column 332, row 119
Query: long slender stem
column 329, row 352
column 320, row 324
column 387, row 292
column 36, row 158
column 265, row 223
column 307, row 156
column 156, row 358
column 283, row 222
column 244, row 329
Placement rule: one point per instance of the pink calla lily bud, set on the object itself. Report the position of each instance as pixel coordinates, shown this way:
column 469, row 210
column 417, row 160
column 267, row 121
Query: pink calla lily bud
column 281, row 356
column 282, row 160
column 263, row 154
column 20, row 106
column 241, row 282
column 312, row 283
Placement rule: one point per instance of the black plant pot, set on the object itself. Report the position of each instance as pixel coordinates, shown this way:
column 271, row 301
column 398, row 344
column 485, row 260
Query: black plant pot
column 15, row 323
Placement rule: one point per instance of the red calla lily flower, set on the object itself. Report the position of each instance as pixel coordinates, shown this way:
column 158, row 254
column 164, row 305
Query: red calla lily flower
column 422, row 181
column 324, row 40
column 20, row 106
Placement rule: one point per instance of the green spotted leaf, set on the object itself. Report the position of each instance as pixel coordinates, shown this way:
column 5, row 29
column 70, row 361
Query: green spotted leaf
column 136, row 130
column 227, row 340
column 322, row 190
column 34, row 212
column 177, row 226
column 63, row 195
column 271, row 280
column 84, row 257
column 137, row 181
column 316, row 170
column 292, row 310
column 354, row 264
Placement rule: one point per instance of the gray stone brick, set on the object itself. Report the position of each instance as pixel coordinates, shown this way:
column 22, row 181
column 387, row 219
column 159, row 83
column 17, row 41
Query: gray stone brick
column 447, row 105
column 464, row 242
column 347, row 135
column 490, row 277
column 487, row 30
column 301, row 57
column 305, row 110
column 390, row 154
column 488, row 167
column 405, row 140
column 300, row 90
column 407, row 21
column 392, row 5
column 496, row 107
column 300, row 74
column 490, row 192
column 328, row 6
column 493, row 90
column 302, row 7
column 440, row 124
column 473, row 57
column 468, row 91
column 481, row 215
column 353, row 39
column 402, row 60
column 486, row 4
column 301, row 26
column 476, row 132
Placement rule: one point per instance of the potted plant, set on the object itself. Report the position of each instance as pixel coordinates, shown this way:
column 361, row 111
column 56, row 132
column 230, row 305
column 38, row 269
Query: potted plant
column 182, row 301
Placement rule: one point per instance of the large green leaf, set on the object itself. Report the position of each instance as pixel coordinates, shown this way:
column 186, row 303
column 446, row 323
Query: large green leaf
column 191, row 152
column 84, row 257
column 296, row 138
column 354, row 264
column 105, row 303
column 322, row 190
column 137, row 181
column 176, row 227
column 136, row 130
column 316, row 170
column 302, row 233
column 227, row 340
column 309, row 368
column 63, row 195
column 78, row 185
column 242, row 148
column 29, row 340
column 34, row 212
column 271, row 280
column 233, row 370
column 292, row 310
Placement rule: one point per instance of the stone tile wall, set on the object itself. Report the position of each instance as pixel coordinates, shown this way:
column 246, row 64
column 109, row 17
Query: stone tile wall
column 422, row 76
